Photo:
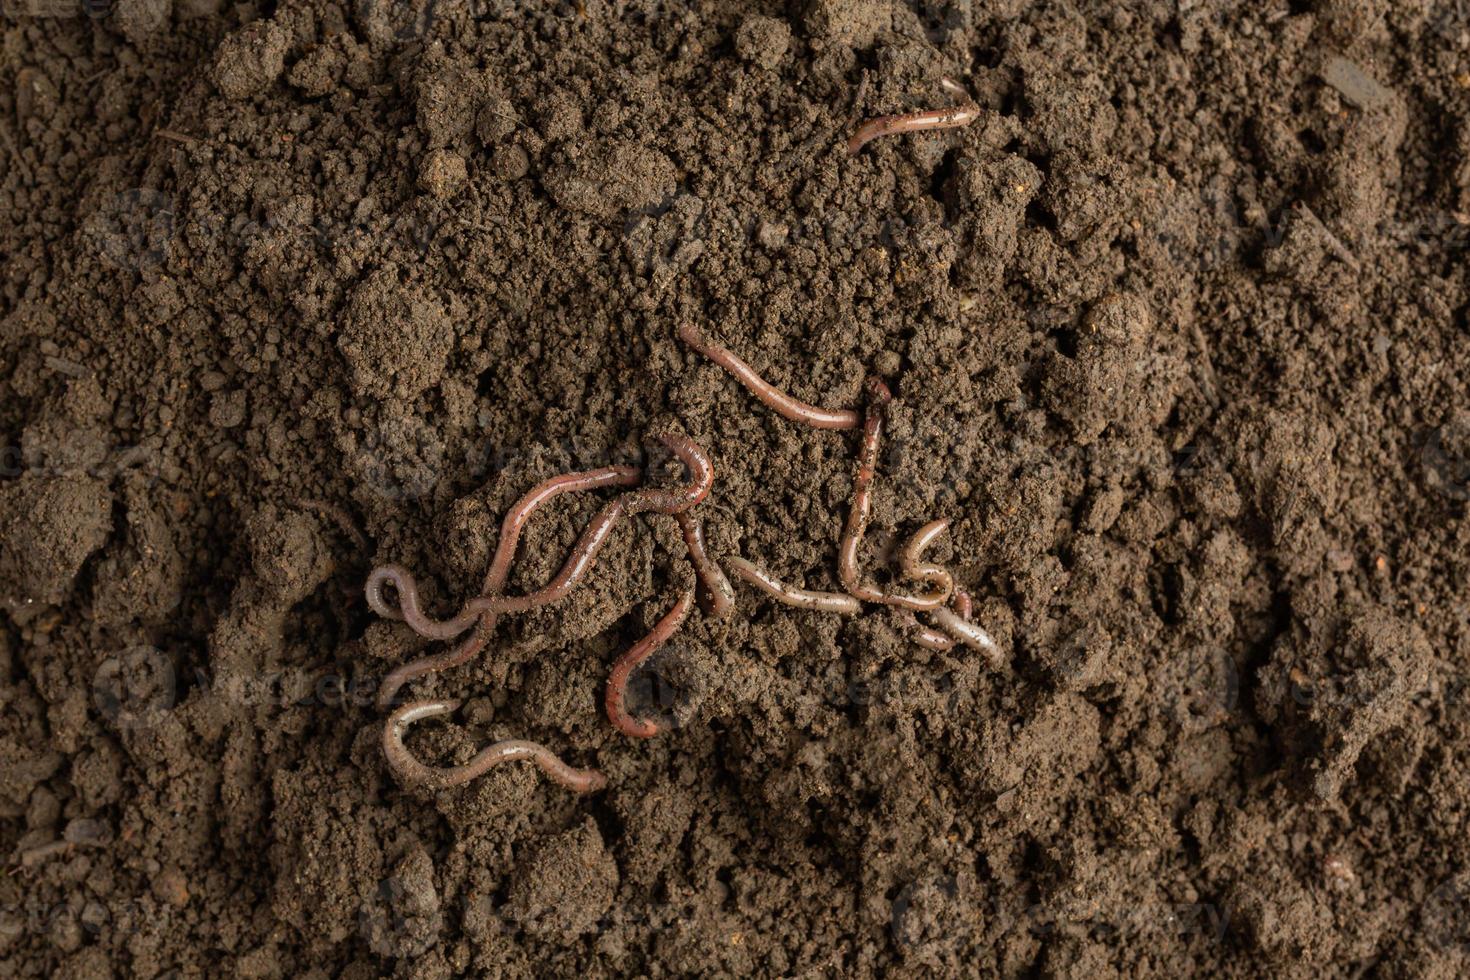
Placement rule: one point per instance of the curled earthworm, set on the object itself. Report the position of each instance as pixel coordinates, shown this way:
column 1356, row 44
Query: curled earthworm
column 967, row 633
column 408, row 609
column 792, row 595
column 510, row 533
column 718, row 599
column 784, row 405
column 414, row 773
column 617, row 681
column 701, row 471
column 911, row 122
column 911, row 553
column 861, row 510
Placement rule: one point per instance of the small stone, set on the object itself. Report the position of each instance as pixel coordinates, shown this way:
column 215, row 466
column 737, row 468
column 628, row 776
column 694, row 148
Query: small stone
column 772, row 234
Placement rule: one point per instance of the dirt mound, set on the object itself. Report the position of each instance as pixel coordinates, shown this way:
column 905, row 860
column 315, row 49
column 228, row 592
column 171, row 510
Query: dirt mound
column 1176, row 334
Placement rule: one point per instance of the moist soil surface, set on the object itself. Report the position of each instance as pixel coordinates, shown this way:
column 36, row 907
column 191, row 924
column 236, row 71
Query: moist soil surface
column 1177, row 336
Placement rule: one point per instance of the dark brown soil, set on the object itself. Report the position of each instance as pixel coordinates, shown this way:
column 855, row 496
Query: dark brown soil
column 1179, row 341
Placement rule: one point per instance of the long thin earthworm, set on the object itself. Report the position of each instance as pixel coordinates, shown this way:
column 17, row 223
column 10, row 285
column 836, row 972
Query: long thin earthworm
column 792, row 595
column 784, row 405
column 718, row 599
column 510, row 533
column 578, row 564
column 861, row 509
column 967, row 633
column 617, row 681
column 594, row 536
column 911, row 122
column 415, row 773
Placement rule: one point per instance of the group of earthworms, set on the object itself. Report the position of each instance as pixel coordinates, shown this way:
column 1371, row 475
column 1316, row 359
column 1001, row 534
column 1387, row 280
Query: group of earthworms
column 947, row 609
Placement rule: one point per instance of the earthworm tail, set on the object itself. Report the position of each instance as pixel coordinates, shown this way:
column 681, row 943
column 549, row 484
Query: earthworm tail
column 783, row 404
column 414, row 773
column 617, row 681
column 911, row 122
column 792, row 595
column 719, row 595
column 962, row 604
column 510, row 533
column 967, row 633
column 860, row 510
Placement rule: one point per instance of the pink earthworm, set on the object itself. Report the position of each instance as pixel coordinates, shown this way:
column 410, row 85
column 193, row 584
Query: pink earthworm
column 408, row 609
column 861, row 509
column 926, row 636
column 718, row 599
column 510, row 534
column 792, row 595
column 911, row 553
column 911, row 122
column 415, row 773
column 962, row 604
column 578, row 564
column 784, row 405
column 594, row 536
column 967, row 633
column 617, row 681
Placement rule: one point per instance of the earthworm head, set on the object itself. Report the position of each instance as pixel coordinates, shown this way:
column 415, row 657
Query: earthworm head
column 877, row 390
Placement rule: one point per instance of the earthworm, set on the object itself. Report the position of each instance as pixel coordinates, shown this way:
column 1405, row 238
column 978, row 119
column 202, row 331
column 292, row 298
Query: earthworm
column 909, row 555
column 408, row 605
column 510, row 533
column 617, row 681
column 962, row 604
column 911, row 122
column 926, row 636
column 701, row 470
column 516, row 518
column 594, row 535
column 967, row 633
column 783, row 404
column 861, row 509
column 792, row 595
column 719, row 595
column 578, row 564
column 415, row 773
